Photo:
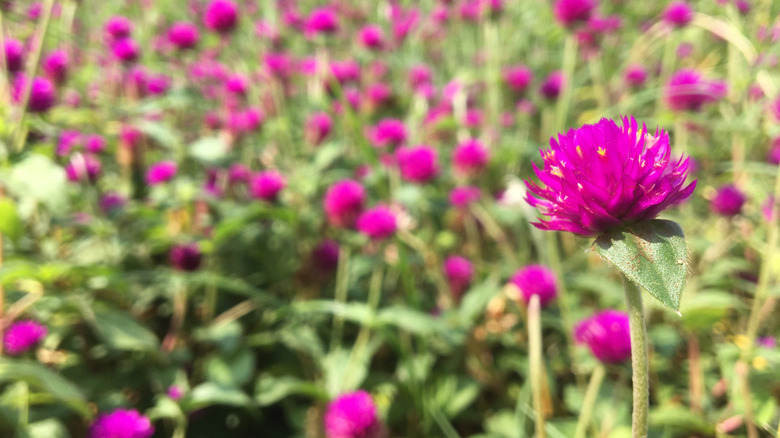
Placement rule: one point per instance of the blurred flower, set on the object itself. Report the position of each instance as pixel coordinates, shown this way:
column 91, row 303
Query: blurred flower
column 518, row 78
column 635, row 76
column 470, row 10
column 388, row 132
column 126, row 50
column 130, row 136
column 68, row 140
column 377, row 223
column 728, row 201
column 318, row 127
column 602, row 176
column 552, row 85
column 462, row 197
column 158, row 84
column 326, row 255
column 237, row 84
column 323, row 20
column 379, row 94
column 56, row 66
column 239, row 173
column 470, row 157
column 83, row 168
column 95, row 143
column 161, row 172
column 768, row 208
column 773, row 156
column 266, row 185
column 121, row 423
column 687, row 90
column 536, row 280
column 607, row 335
column 459, row 272
column 418, row 164
column 278, row 64
column 174, row 392
column 403, row 21
column 111, row 201
column 678, row 14
column 14, row 55
column 221, row 16
column 20, row 336
column 353, row 415
column 743, row 6
column 419, row 75
column 570, row 12
column 117, row 28
column 684, row 50
column 344, row 202
column 345, row 71
column 372, row 37
column 42, row 93
column 767, row 342
column 183, row 35
column 186, row 257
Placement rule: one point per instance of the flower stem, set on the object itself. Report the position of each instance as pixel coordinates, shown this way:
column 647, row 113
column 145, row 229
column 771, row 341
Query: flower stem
column 535, row 357
column 374, row 293
column 564, row 100
column 342, row 283
column 590, row 399
column 639, row 362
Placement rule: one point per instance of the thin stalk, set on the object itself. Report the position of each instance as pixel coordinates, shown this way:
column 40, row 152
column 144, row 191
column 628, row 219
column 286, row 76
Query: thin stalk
column 563, row 295
column 590, row 399
column 179, row 304
column 496, row 233
column 695, row 374
column 564, row 100
column 597, row 77
column 2, row 290
column 639, row 361
column 374, row 293
column 681, row 135
column 535, row 357
column 342, row 283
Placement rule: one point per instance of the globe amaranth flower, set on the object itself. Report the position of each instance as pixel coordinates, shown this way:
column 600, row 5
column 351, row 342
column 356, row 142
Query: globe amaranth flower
column 602, row 176
column 161, row 172
column 728, row 201
column 323, row 20
column 518, row 77
column 387, row 132
column 372, row 37
column 678, row 14
column 552, row 85
column 14, row 55
column 571, row 12
column 318, row 127
column 266, row 185
column 607, row 335
column 687, row 90
column 378, row 223
column 183, row 35
column 418, row 164
column 221, row 16
column 83, row 168
column 773, row 156
column 344, row 202
column 118, row 27
column 462, row 197
column 635, row 76
column 126, row 50
column 470, row 157
column 121, row 423
column 353, row 415
column 56, row 66
column 23, row 335
column 536, row 280
column 186, row 257
column 42, row 93
column 459, row 272
column 112, row 201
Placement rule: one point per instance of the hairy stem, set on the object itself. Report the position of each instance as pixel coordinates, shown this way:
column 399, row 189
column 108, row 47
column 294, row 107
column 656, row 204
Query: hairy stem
column 639, row 361
column 590, row 399
column 535, row 357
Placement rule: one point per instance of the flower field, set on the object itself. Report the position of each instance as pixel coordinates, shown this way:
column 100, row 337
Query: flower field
column 389, row 218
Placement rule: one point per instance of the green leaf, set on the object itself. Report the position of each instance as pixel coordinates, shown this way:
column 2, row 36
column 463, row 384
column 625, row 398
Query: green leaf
column 209, row 394
column 122, row 332
column 49, row 428
column 10, row 224
column 43, row 379
column 39, row 178
column 270, row 389
column 232, row 371
column 652, row 254
column 208, row 149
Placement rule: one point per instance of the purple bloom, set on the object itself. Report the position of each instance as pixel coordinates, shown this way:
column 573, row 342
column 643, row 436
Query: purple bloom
column 183, row 35
column 161, row 172
column 14, row 55
column 121, row 423
column 23, row 335
column 83, row 168
column 678, row 14
column 344, row 202
column 767, row 342
column 266, row 185
column 418, row 164
column 322, row 20
column 602, row 176
column 174, row 392
column 111, row 201
column 388, row 132
column 186, row 257
column 536, row 280
column 552, row 85
column 95, row 143
column 118, row 27
column 687, row 90
column 42, row 93
column 570, row 12
column 462, row 197
column 377, row 223
column 239, row 173
column 56, row 66
column 518, row 77
column 372, row 37
column 221, row 16
column 635, row 76
column 318, row 127
column 326, row 255
column 470, row 157
column 353, row 415
column 126, row 50
column 607, row 335
column 459, row 272
column 728, row 201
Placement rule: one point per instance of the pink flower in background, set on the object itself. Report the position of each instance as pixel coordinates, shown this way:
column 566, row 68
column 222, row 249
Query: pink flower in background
column 278, row 64
column 186, row 257
column 773, row 156
column 21, row 336
column 571, row 12
column 518, row 78
column 161, row 172
column 552, row 85
column 372, row 37
column 126, row 50
column 687, row 90
column 56, row 66
column 83, row 168
column 379, row 94
column 462, row 197
column 221, row 16
column 418, row 164
column 325, row 255
column 174, row 392
column 378, row 223
column 388, row 132
column 353, row 415
column 184, row 35
column 158, row 84
column 728, row 201
column 602, row 176
column 14, row 55
column 42, row 93
column 323, row 20
column 420, row 75
column 344, row 202
column 536, row 280
column 635, row 76
column 266, row 185
column 470, row 157
column 95, row 143
column 117, row 28
column 459, row 272
column 318, row 127
column 238, row 173
column 678, row 14
column 112, row 201
column 237, row 84
column 345, row 71
column 607, row 335
column 121, row 423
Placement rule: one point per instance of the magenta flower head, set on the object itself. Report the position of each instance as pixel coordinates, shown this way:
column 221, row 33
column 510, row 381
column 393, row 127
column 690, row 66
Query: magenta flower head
column 377, row 223
column 418, row 164
column 607, row 335
column 462, row 197
column 687, row 90
column 23, row 335
column 536, row 280
column 121, row 423
column 42, row 93
column 266, row 185
column 344, row 202
column 372, row 37
column 14, row 55
column 322, row 20
column 126, row 50
column 635, row 76
column 459, row 272
column 318, row 127
column 728, row 201
column 161, row 172
column 111, row 202
column 388, row 132
column 183, row 35
column 325, row 255
column 56, row 66
column 83, row 168
column 518, row 78
column 221, row 16
column 773, row 156
column 186, row 257
column 571, row 12
column 552, row 85
column 470, row 157
column 678, row 14
column 602, row 176
column 353, row 415
column 118, row 27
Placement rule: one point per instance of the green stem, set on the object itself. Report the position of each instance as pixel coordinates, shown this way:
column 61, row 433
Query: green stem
column 374, row 293
column 639, row 361
column 590, row 399
column 342, row 282
column 535, row 357
column 564, row 100
column 563, row 298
